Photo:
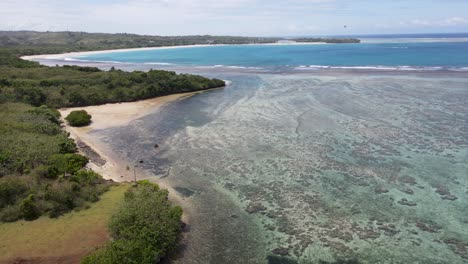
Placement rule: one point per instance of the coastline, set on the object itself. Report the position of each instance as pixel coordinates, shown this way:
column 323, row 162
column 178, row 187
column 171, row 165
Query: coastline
column 112, row 115
column 102, row 159
column 83, row 53
column 371, row 121
column 107, row 116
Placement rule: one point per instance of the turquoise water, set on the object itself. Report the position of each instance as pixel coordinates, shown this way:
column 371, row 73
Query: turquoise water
column 288, row 165
column 419, row 55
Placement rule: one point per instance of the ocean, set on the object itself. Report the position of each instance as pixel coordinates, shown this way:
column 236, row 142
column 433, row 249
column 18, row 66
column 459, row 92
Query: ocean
column 372, row 53
column 333, row 153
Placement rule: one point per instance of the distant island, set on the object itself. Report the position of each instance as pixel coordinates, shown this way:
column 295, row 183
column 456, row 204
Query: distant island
column 54, row 42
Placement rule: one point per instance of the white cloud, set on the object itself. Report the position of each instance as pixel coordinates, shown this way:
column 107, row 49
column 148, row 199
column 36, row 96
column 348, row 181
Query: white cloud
column 165, row 17
column 231, row 17
column 451, row 21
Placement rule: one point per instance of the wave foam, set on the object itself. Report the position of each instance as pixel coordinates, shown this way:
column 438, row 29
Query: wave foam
column 300, row 67
column 228, row 67
column 81, row 60
column 158, row 63
column 72, row 59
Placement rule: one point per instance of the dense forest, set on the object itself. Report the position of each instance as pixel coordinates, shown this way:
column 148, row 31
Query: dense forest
column 67, row 86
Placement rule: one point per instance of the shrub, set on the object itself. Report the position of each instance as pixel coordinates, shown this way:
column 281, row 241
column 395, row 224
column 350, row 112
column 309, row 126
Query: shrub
column 10, row 214
column 50, row 114
column 78, row 118
column 145, row 228
column 87, row 177
column 68, row 163
column 43, row 171
column 67, row 145
column 57, row 210
column 28, row 208
column 11, row 188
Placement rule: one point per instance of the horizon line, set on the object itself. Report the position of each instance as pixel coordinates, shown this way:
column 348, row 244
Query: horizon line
column 248, row 36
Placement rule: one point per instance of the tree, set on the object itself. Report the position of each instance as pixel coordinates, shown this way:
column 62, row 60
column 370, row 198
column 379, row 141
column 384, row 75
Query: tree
column 145, row 228
column 68, row 163
column 76, row 98
column 78, row 118
column 29, row 209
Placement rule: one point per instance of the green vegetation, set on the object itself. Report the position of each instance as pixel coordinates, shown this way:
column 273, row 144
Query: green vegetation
column 145, row 228
column 42, row 175
column 78, row 118
column 81, row 41
column 39, row 172
column 66, row 239
column 70, row 86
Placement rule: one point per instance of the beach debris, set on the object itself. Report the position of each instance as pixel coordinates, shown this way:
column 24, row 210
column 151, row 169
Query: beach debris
column 156, row 146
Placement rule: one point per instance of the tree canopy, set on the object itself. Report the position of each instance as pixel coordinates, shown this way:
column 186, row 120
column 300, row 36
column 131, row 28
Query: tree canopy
column 78, row 118
column 144, row 229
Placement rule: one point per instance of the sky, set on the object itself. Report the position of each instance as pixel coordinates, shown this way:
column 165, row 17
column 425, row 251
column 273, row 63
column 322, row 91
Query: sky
column 237, row 17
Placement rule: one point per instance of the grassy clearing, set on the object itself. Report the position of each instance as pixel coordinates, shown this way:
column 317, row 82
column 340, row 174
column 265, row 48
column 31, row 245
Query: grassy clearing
column 61, row 240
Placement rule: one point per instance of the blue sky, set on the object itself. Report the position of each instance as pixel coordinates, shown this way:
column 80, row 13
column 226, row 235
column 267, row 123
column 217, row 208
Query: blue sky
column 238, row 17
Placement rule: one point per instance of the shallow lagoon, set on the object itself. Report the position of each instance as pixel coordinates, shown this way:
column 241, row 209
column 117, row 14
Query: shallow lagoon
column 315, row 168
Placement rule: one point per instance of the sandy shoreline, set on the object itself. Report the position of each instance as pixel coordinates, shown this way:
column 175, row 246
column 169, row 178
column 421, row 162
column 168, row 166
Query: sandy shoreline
column 119, row 114
column 84, row 53
column 112, row 115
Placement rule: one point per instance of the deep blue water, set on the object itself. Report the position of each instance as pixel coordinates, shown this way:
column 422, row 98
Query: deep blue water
column 430, row 55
